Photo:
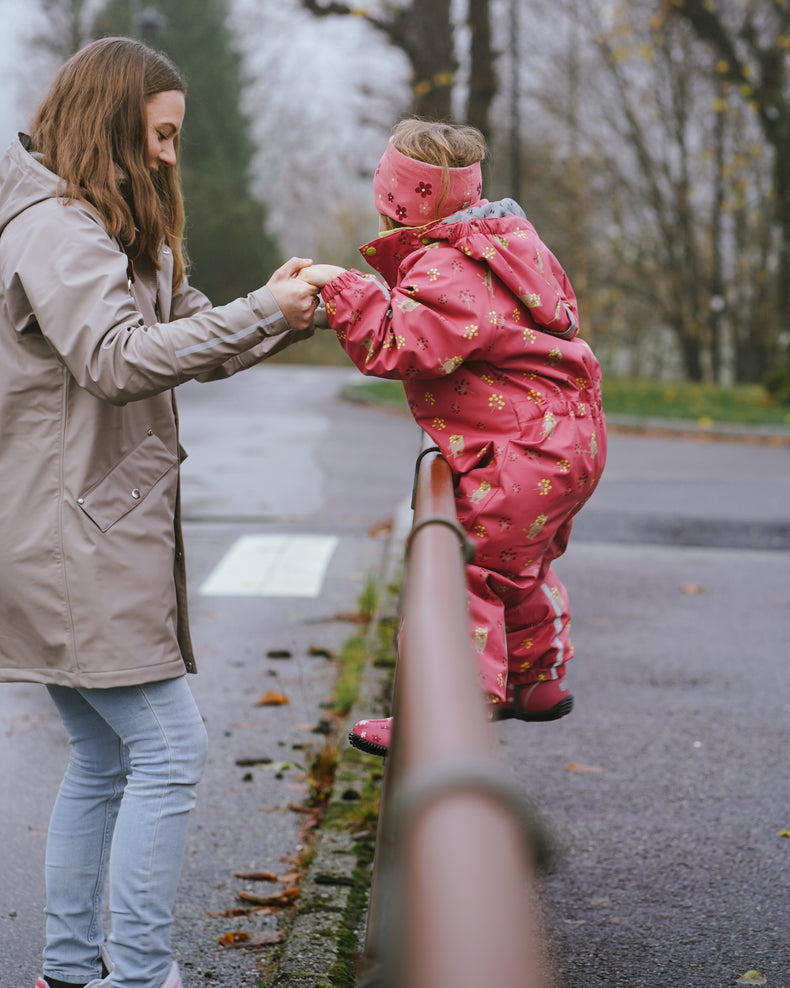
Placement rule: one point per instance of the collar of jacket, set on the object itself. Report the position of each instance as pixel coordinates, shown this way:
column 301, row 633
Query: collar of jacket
column 386, row 253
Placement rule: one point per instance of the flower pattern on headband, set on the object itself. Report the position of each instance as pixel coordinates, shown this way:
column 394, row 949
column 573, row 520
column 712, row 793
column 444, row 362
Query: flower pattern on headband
column 414, row 192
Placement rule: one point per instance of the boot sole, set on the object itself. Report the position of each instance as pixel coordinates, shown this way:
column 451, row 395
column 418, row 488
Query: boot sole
column 561, row 709
column 369, row 747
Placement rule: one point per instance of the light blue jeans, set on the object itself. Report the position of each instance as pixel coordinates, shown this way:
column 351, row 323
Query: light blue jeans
column 137, row 754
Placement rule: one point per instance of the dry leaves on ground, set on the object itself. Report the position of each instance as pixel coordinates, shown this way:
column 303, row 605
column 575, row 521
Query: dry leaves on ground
column 751, row 978
column 581, row 769
column 273, row 699
column 279, row 901
column 251, row 941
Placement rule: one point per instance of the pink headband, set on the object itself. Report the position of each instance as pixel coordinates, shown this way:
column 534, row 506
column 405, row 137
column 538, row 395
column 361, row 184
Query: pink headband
column 413, row 192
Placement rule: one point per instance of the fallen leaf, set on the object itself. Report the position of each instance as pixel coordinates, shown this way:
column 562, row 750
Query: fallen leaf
column 582, row 769
column 751, row 978
column 250, row 941
column 296, row 808
column 282, row 900
column 278, row 653
column 324, row 653
column 256, row 876
column 784, row 833
column 353, row 616
column 272, row 699
column 230, row 913
column 691, row 588
column 382, row 528
column 233, row 938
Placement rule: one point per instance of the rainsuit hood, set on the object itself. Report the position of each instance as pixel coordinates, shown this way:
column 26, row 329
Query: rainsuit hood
column 483, row 233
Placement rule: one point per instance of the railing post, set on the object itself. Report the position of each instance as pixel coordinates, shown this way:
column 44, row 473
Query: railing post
column 452, row 900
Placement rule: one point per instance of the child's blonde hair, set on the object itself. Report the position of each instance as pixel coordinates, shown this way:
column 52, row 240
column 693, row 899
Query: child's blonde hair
column 443, row 144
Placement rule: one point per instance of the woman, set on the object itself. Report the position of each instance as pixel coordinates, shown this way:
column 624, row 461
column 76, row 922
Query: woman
column 97, row 326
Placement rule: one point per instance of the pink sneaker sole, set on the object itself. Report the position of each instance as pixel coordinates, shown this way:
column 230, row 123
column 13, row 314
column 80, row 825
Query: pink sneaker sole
column 372, row 736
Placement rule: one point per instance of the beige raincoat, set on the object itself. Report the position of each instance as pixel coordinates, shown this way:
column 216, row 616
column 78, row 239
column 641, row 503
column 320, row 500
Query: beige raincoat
column 92, row 579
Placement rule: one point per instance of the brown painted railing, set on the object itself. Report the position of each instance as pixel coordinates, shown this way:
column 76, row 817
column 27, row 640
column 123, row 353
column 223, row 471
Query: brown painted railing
column 452, row 896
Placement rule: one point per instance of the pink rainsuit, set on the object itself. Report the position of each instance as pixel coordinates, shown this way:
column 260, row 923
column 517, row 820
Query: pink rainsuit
column 479, row 323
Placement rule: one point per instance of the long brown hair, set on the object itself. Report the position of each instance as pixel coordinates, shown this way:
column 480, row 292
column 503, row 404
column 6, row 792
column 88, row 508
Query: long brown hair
column 91, row 130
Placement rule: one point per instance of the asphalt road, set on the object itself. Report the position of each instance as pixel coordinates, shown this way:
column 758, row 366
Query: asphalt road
column 666, row 788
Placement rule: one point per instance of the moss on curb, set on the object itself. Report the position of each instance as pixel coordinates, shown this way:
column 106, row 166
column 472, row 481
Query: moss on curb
column 323, row 934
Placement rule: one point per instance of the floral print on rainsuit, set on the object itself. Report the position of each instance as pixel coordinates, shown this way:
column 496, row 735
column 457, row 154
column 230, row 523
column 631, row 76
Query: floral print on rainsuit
column 478, row 320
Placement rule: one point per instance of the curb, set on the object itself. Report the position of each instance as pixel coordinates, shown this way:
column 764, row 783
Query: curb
column 768, row 435
column 328, row 921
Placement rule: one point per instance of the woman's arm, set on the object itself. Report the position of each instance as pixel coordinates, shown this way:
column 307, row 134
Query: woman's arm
column 70, row 283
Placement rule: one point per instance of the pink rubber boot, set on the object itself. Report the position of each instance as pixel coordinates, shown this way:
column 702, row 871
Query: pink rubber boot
column 372, row 736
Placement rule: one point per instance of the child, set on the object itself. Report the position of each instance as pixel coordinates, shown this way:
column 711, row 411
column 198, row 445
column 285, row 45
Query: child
column 479, row 321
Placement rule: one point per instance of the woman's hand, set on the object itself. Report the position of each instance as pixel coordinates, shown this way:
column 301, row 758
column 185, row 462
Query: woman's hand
column 319, row 275
column 296, row 297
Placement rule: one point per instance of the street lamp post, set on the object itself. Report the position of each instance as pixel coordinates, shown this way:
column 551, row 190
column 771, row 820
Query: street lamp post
column 515, row 124
column 147, row 23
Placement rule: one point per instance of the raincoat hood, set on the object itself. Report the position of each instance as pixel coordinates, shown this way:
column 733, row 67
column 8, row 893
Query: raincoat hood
column 24, row 181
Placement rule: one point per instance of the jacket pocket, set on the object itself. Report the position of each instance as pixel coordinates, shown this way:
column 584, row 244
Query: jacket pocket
column 536, row 423
column 128, row 484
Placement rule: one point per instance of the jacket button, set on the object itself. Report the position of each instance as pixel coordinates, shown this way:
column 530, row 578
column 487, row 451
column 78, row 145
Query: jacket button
column 80, row 500
column 136, row 494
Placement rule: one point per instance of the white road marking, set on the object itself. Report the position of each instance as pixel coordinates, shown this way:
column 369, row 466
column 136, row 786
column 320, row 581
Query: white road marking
column 272, row 566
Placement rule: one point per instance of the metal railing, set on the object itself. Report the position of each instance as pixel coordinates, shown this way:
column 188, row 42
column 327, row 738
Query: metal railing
column 452, row 894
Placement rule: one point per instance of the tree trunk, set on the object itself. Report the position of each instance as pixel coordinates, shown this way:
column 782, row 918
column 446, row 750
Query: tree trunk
column 691, row 353
column 482, row 77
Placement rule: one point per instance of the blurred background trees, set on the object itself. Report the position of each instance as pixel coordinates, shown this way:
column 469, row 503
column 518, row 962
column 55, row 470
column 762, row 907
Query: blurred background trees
column 229, row 246
column 647, row 140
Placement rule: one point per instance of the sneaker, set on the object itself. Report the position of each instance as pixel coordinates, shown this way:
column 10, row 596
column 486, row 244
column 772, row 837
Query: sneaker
column 537, row 702
column 372, row 736
column 543, row 701
column 43, row 983
column 173, row 980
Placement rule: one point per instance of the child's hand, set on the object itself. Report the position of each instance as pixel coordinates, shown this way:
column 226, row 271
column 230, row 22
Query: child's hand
column 319, row 275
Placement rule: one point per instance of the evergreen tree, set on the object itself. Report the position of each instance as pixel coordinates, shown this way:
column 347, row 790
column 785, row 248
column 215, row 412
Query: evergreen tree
column 228, row 247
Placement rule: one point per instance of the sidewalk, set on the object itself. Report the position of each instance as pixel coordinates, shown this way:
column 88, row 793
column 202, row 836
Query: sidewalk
column 328, row 925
